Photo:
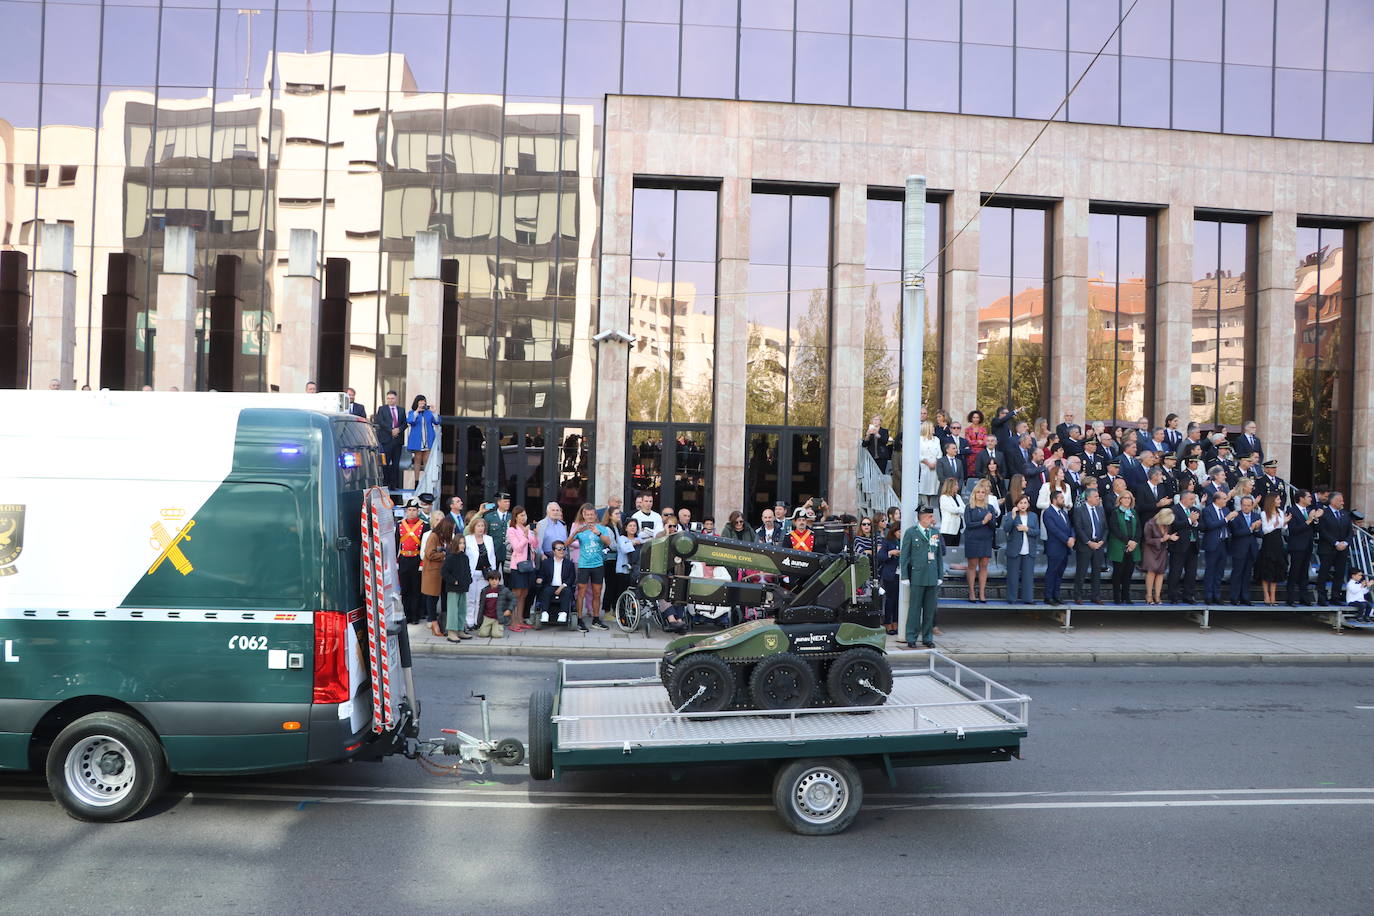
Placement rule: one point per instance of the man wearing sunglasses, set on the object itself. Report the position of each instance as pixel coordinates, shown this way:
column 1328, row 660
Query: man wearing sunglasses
column 554, row 584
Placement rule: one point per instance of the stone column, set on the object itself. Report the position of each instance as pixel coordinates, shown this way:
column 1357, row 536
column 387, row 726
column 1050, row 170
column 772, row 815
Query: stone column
column 424, row 319
column 1068, row 326
column 960, row 357
column 1362, row 459
column 1174, row 312
column 54, row 310
column 174, row 346
column 300, row 312
column 732, row 352
column 847, row 421
column 14, row 319
column 1274, row 343
column 612, row 356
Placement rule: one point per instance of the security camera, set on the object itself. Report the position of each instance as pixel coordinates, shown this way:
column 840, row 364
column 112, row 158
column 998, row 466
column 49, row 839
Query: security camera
column 617, row 335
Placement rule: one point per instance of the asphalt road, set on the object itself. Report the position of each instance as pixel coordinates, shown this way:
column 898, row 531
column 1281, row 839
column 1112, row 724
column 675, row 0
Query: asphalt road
column 1143, row 790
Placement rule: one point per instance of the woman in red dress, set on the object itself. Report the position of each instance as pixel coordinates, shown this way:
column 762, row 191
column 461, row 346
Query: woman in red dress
column 977, row 435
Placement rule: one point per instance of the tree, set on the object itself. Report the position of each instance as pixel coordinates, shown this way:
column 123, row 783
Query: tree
column 881, row 363
column 765, row 380
column 808, row 388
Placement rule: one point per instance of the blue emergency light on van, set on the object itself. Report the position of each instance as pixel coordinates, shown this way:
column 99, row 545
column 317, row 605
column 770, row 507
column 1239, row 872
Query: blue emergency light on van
column 290, row 450
column 348, row 460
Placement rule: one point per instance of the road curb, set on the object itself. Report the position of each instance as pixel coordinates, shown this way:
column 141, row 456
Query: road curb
column 903, row 659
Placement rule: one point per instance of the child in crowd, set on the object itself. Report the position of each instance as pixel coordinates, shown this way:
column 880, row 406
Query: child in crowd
column 496, row 603
column 1357, row 596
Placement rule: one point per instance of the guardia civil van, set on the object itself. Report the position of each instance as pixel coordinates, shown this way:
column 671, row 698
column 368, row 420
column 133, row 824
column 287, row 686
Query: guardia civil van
column 181, row 590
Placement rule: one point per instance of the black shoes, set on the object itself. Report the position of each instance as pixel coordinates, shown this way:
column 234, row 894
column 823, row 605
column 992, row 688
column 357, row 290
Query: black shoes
column 582, row 624
column 596, row 622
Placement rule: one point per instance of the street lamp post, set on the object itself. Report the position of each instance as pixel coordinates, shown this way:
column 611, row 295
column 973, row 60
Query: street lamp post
column 913, row 353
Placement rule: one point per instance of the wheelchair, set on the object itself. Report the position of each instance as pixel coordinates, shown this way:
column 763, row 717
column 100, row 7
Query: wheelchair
column 633, row 614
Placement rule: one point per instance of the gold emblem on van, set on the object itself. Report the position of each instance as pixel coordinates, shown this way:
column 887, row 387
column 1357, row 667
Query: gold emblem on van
column 168, row 545
column 11, row 537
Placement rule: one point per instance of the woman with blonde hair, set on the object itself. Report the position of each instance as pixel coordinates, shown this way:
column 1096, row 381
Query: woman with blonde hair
column 980, row 521
column 1156, row 561
column 951, row 515
column 1243, row 488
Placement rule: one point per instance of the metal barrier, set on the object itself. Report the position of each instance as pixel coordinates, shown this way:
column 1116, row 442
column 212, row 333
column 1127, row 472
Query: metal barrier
column 876, row 494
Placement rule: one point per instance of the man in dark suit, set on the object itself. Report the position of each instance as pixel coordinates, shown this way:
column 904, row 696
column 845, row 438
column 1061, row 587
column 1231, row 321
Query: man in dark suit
column 1090, row 542
column 354, row 407
column 1104, row 483
column 1059, row 540
column 951, row 465
column 1216, row 537
column 1182, row 578
column 1248, row 443
column 1192, row 437
column 554, row 587
column 1244, row 550
column 390, row 421
column 1131, row 467
column 1303, row 518
column 1244, row 467
column 1155, row 495
column 1334, row 528
column 1094, row 462
column 1173, row 437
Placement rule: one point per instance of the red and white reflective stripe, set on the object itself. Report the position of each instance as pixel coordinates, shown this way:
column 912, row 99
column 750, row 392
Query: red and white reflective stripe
column 368, row 603
column 383, row 648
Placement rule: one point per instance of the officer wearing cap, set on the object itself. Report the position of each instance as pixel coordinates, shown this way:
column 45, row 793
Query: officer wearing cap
column 921, row 563
column 1271, row 482
column 498, row 522
column 1104, row 483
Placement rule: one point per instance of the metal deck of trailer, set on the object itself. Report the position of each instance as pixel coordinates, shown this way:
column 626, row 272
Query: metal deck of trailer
column 942, row 712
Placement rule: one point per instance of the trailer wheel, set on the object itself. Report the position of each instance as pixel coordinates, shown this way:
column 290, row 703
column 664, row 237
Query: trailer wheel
column 782, row 681
column 706, row 673
column 107, row 767
column 541, row 735
column 844, row 682
column 509, row 752
column 818, row 797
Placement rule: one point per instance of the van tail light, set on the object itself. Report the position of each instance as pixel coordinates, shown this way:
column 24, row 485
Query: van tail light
column 331, row 657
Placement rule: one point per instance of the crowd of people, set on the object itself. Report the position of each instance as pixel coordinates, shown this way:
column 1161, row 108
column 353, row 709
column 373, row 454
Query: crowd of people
column 1155, row 498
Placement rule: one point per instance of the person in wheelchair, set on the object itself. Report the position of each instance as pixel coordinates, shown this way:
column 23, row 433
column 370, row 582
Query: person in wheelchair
column 674, row 617
column 555, row 583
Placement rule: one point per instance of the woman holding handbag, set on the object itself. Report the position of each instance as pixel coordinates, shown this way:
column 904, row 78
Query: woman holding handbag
column 522, row 546
column 481, row 557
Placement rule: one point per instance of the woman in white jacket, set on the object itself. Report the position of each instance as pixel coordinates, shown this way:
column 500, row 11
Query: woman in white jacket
column 482, row 556
column 929, row 483
column 1054, row 483
column 952, row 507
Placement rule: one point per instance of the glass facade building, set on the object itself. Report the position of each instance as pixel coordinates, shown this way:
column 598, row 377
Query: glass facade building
column 483, row 121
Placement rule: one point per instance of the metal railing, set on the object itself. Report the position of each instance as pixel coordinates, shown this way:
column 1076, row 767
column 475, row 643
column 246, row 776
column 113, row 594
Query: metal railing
column 1361, row 541
column 876, row 493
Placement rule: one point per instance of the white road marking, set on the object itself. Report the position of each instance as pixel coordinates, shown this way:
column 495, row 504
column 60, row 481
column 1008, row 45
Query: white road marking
column 1364, row 707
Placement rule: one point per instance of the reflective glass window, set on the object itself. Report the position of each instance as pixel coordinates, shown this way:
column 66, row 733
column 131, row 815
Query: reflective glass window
column 708, row 62
column 1197, row 96
column 593, row 61
column 711, row 12
column 1120, row 317
column 767, row 14
column 1197, row 30
column 534, row 65
column 789, row 310
column 652, row 10
column 1095, row 99
column 932, row 75
column 1299, row 34
column 477, row 54
column 1250, row 32
column 1145, row 99
column 20, row 42
column 1323, row 310
column 830, row 16
column 71, row 44
column 1090, row 22
column 1247, row 103
column 933, row 20
column 986, row 80
column 1042, row 24
column 988, row 22
column 650, row 58
column 886, row 18
column 1148, row 30
column 187, row 48
column 1297, row 103
column 765, row 65
column 822, row 68
column 1350, row 35
column 1040, row 83
column 876, row 62
column 1349, row 106
column 424, row 42
column 1012, row 319
column 1222, row 309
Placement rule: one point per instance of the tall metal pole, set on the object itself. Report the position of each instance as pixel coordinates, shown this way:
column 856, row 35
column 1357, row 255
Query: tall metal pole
column 913, row 339
column 913, row 359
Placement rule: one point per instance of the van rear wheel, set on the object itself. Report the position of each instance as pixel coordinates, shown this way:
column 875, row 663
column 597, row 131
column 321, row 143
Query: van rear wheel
column 107, row 767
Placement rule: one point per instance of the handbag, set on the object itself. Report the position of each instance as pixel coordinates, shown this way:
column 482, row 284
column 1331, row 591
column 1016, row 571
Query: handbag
column 524, row 566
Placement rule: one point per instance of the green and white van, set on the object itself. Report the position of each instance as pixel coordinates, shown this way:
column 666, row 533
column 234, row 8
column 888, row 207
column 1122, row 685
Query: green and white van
column 180, row 590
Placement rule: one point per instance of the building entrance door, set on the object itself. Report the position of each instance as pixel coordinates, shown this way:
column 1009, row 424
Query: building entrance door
column 782, row 464
column 536, row 462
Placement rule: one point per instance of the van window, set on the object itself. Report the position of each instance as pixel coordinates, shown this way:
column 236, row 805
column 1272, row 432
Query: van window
column 245, row 551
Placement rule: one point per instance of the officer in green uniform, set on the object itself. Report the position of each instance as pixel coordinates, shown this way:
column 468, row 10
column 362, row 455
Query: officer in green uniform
column 922, row 564
column 498, row 522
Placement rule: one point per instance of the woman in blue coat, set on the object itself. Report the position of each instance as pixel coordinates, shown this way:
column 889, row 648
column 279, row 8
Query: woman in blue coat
column 420, row 438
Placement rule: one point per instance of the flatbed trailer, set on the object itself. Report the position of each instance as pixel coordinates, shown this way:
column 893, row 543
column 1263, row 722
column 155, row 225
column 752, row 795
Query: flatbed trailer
column 939, row 712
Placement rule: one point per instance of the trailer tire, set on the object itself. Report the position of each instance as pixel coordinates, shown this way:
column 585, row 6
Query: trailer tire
column 704, row 670
column 541, row 735
column 782, row 681
column 106, row 767
column 818, row 796
column 854, row 665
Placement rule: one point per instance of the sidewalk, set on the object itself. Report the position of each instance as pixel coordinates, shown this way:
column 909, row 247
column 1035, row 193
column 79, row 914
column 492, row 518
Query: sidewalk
column 989, row 636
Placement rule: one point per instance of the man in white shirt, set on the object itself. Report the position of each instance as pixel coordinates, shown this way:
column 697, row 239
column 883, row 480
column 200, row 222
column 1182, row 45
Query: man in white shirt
column 650, row 523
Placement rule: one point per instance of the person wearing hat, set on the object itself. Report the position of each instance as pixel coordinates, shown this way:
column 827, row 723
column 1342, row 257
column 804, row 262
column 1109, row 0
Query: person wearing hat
column 1271, row 482
column 921, row 563
column 1094, row 462
column 498, row 520
column 1106, row 481
column 801, row 537
column 410, row 532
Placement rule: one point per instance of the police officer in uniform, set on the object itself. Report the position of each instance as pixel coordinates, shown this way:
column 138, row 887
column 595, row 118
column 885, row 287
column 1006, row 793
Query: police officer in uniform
column 409, row 535
column 921, row 563
column 1271, row 482
column 498, row 523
